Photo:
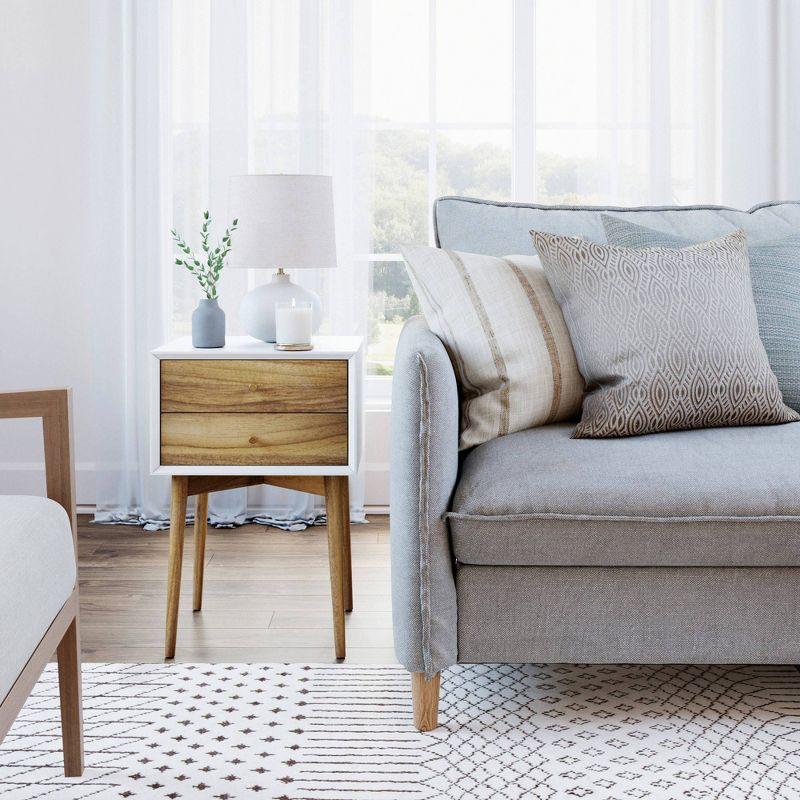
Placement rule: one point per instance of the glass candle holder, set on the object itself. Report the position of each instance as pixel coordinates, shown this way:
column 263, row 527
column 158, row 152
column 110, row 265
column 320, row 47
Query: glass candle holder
column 293, row 323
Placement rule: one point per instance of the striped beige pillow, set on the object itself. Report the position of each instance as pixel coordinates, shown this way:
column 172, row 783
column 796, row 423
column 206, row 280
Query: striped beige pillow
column 506, row 337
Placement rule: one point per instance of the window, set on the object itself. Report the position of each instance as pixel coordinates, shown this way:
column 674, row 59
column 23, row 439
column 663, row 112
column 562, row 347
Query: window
column 407, row 100
column 482, row 98
column 439, row 121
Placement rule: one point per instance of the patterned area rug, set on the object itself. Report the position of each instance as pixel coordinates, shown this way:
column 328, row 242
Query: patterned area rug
column 341, row 732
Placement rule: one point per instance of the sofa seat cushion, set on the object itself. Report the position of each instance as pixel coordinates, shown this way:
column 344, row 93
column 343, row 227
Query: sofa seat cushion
column 37, row 575
column 713, row 497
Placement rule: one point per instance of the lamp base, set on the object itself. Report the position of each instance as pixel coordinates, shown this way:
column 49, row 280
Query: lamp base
column 257, row 311
column 294, row 348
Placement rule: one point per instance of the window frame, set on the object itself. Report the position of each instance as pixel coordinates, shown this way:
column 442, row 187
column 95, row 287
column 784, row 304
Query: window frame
column 524, row 125
column 377, row 388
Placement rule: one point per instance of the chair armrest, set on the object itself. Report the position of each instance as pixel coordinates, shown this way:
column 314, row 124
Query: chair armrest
column 54, row 406
column 424, row 470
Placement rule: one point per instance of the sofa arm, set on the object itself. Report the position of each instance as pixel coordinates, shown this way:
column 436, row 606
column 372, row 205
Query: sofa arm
column 424, row 469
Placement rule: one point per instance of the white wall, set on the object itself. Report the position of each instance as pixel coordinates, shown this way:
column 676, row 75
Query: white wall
column 48, row 218
column 376, row 457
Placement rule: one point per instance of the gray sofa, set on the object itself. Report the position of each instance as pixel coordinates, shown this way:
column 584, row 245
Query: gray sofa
column 677, row 547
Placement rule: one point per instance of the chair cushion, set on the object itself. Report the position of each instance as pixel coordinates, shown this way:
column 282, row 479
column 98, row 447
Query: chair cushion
column 37, row 575
column 713, row 497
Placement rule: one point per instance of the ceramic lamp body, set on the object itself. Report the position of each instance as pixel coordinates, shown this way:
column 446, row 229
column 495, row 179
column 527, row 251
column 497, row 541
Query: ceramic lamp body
column 257, row 311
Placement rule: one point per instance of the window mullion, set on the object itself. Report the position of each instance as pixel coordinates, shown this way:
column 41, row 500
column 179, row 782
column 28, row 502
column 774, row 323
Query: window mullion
column 523, row 161
column 660, row 144
column 432, row 151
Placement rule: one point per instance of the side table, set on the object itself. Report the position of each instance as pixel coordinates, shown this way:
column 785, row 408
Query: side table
column 248, row 414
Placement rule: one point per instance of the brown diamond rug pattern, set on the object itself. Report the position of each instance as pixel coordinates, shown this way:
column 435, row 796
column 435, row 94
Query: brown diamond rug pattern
column 339, row 732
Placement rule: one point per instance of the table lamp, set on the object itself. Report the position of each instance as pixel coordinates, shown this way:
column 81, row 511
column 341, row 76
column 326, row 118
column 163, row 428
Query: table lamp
column 285, row 222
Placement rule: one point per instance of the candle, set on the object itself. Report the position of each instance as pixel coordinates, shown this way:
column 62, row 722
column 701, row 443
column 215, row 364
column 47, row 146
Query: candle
column 293, row 324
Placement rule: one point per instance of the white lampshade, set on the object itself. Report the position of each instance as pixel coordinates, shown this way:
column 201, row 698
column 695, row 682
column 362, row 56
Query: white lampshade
column 285, row 221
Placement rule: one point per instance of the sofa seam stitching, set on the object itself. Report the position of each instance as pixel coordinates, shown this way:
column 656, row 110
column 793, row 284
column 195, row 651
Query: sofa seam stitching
column 424, row 528
column 567, row 207
column 620, row 518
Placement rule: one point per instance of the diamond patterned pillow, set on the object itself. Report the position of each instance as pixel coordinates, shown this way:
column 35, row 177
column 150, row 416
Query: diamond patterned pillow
column 775, row 275
column 666, row 339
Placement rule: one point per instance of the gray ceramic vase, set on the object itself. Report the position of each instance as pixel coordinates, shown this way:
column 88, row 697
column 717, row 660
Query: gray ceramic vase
column 208, row 324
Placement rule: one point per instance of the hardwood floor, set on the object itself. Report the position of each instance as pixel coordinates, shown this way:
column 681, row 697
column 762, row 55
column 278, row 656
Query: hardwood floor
column 266, row 595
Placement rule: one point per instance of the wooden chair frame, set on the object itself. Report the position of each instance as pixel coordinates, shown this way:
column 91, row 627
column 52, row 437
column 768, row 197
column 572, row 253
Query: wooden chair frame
column 54, row 406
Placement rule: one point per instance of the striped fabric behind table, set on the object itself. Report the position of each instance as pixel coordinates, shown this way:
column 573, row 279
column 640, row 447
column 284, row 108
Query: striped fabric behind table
column 506, row 336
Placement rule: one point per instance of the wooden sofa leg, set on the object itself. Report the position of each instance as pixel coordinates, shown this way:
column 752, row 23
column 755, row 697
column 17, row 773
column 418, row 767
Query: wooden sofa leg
column 69, row 687
column 425, row 694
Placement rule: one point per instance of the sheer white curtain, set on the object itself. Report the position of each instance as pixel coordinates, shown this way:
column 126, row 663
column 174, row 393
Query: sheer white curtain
column 264, row 87
column 625, row 102
column 215, row 89
column 657, row 102
column 131, row 286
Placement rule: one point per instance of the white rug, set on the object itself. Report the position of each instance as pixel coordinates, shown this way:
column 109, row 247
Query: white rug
column 343, row 732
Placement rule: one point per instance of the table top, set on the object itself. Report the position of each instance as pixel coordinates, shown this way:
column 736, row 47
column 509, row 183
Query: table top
column 247, row 347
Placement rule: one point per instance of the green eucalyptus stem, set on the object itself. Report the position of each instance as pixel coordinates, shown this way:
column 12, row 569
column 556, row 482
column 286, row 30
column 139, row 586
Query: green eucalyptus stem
column 207, row 271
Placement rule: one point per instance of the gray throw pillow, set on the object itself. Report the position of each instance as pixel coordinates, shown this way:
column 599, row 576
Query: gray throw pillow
column 775, row 276
column 666, row 339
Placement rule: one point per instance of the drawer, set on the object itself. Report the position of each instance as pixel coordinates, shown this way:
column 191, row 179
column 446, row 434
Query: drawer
column 273, row 385
column 200, row 439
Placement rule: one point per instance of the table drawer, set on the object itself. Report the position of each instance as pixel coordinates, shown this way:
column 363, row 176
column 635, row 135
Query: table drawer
column 253, row 439
column 275, row 385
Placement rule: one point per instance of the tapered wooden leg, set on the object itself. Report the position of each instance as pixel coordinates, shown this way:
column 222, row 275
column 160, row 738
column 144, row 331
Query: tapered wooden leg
column 425, row 694
column 336, row 507
column 200, row 526
column 177, row 524
column 69, row 688
column 347, row 571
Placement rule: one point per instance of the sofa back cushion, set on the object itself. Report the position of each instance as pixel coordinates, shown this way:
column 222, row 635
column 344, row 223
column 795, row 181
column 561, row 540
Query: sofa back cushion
column 483, row 226
column 506, row 336
column 775, row 274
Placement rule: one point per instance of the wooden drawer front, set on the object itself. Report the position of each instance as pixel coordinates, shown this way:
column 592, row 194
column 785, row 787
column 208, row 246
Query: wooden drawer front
column 253, row 439
column 274, row 385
